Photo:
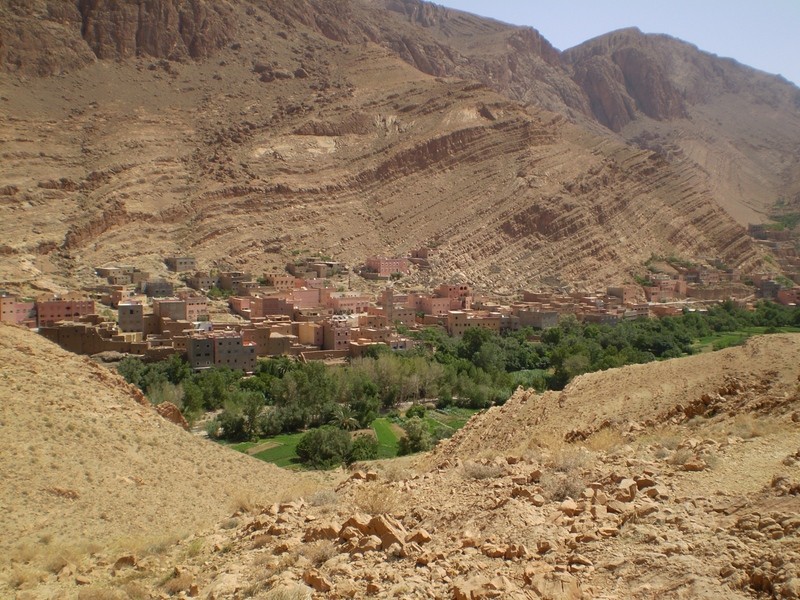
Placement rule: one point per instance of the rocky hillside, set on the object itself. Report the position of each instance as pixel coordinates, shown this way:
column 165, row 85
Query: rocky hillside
column 684, row 482
column 738, row 125
column 286, row 133
column 761, row 378
column 88, row 466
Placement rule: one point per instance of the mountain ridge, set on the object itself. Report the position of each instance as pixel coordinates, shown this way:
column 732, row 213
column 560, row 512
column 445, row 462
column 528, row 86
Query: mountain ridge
column 292, row 112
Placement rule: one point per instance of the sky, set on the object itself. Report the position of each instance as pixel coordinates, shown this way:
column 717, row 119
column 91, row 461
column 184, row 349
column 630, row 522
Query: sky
column 764, row 34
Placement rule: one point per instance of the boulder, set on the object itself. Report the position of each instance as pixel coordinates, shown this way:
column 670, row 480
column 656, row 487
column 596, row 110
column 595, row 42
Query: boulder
column 388, row 529
column 420, row 536
column 321, row 531
column 316, row 580
column 172, row 414
column 359, row 522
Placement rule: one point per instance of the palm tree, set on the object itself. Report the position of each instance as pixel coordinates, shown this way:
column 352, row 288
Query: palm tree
column 344, row 418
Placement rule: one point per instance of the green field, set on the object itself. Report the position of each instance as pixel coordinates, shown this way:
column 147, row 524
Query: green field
column 281, row 450
column 726, row 339
column 453, row 417
column 387, row 438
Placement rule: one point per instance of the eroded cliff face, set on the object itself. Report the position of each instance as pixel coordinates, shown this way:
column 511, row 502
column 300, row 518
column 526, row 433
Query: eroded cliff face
column 173, row 29
column 49, row 37
column 623, row 75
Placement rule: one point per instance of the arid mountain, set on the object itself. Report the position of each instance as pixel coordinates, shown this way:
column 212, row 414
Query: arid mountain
column 243, row 132
column 739, row 125
column 683, row 482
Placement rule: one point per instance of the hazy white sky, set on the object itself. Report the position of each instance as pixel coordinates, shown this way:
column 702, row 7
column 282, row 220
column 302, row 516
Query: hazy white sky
column 764, row 34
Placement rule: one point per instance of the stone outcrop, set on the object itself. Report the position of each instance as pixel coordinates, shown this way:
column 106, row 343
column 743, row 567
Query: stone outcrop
column 173, row 29
column 172, row 414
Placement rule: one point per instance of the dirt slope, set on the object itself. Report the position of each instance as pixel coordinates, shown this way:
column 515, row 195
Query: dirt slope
column 85, row 464
column 689, row 490
column 760, row 376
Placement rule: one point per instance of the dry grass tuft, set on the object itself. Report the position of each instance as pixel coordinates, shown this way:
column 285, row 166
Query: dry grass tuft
column 194, row 548
column 323, row 498
column 560, row 486
column 605, row 440
column 318, row 553
column 179, row 582
column 246, row 503
column 96, row 593
column 474, row 470
column 295, row 592
column 375, row 499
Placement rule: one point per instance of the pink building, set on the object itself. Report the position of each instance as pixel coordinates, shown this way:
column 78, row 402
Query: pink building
column 12, row 310
column 280, row 281
column 171, row 308
column 196, row 306
column 428, row 304
column 336, row 335
column 347, row 302
column 308, row 298
column 70, row 308
column 386, row 267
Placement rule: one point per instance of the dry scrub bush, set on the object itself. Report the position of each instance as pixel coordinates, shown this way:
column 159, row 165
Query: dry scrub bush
column 267, row 567
column 94, row 593
column 135, row 591
column 323, row 498
column 748, row 426
column 261, row 540
column 24, row 553
column 296, row 592
column 318, row 553
column 560, row 486
column 377, row 499
column 661, row 452
column 712, row 460
column 179, row 582
column 605, row 440
column 474, row 470
column 395, row 472
column 20, row 577
column 245, row 503
column 567, row 459
column 680, row 457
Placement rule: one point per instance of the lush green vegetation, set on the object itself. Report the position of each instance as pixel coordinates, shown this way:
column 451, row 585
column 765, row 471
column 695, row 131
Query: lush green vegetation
column 387, row 440
column 280, row 449
column 481, row 369
column 784, row 221
column 329, row 446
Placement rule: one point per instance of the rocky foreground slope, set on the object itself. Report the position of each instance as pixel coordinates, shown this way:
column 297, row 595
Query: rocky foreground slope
column 642, row 489
column 245, row 133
